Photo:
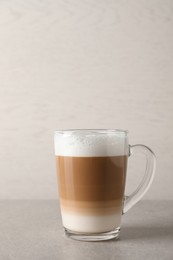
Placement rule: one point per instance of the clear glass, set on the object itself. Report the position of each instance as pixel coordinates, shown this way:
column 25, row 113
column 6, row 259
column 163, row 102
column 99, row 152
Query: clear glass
column 91, row 170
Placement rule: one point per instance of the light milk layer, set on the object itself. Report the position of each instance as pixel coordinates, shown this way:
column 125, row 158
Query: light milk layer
column 73, row 144
column 91, row 224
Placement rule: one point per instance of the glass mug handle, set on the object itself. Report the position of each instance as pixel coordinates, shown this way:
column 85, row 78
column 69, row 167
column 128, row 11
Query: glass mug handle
column 134, row 197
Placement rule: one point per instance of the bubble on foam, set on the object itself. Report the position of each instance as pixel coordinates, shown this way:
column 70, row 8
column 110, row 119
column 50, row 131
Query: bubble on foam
column 91, row 145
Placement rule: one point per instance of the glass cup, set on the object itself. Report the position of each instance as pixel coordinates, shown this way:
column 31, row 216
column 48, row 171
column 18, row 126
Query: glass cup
column 91, row 169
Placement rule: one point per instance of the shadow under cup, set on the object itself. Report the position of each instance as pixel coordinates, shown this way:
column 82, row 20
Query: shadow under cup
column 91, row 170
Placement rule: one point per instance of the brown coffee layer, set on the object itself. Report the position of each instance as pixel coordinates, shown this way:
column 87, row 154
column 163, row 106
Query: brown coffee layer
column 91, row 208
column 91, row 179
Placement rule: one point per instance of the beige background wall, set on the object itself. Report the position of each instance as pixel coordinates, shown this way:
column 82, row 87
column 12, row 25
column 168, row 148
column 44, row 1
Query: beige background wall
column 83, row 64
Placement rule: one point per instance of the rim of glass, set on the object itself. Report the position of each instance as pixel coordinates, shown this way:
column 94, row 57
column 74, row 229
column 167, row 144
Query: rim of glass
column 90, row 131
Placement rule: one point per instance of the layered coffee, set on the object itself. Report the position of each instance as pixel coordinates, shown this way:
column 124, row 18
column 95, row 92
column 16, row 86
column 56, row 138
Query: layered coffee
column 91, row 179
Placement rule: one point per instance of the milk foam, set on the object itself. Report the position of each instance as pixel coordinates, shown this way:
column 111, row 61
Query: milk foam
column 77, row 144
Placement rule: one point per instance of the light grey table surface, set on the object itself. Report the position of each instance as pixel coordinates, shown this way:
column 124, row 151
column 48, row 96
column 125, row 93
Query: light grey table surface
column 31, row 229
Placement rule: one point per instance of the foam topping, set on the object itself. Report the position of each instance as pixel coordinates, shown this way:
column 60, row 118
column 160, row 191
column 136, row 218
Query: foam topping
column 75, row 144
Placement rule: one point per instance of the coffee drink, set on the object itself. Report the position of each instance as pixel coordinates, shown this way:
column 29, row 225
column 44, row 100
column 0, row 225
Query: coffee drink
column 91, row 179
column 91, row 170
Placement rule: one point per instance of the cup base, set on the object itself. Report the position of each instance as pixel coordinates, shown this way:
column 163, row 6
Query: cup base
column 89, row 237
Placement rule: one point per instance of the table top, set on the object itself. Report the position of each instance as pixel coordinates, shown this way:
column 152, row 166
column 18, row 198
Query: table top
column 31, row 229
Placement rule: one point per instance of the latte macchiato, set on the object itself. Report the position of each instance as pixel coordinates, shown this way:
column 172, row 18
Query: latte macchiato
column 91, row 179
column 91, row 170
